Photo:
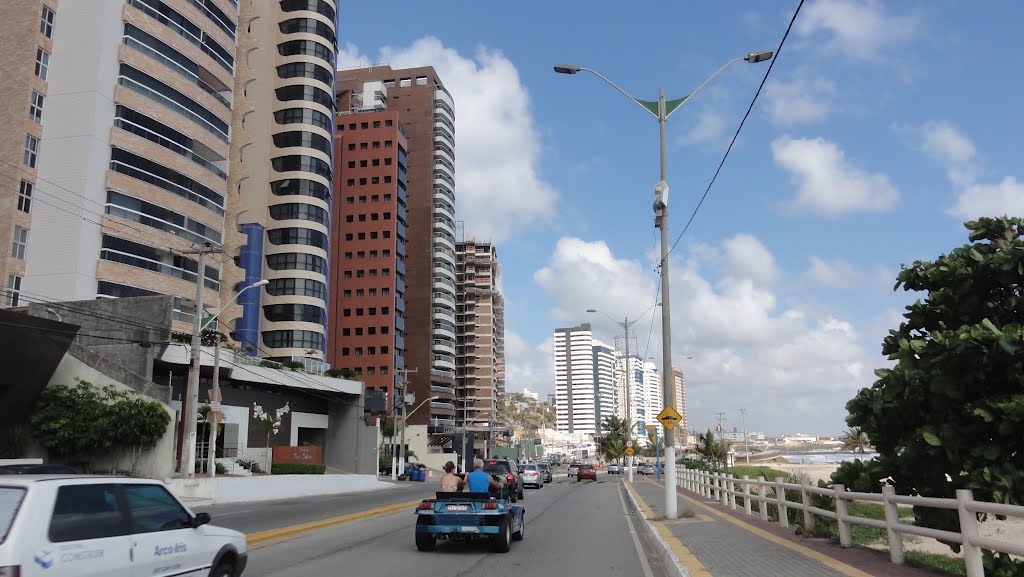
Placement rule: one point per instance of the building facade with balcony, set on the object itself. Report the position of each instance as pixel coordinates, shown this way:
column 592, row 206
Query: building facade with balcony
column 426, row 113
column 575, row 407
column 115, row 160
column 480, row 335
column 366, row 331
column 604, row 383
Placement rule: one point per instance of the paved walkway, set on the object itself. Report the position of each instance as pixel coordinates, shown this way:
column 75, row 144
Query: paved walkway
column 716, row 542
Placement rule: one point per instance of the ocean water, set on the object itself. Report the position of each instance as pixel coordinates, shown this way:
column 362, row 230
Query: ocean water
column 826, row 457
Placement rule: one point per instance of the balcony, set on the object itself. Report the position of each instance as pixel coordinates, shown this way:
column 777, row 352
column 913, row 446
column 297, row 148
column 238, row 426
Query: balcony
column 442, row 390
column 444, row 298
column 444, row 362
column 442, row 374
column 441, row 345
column 445, row 193
column 442, row 405
column 445, row 240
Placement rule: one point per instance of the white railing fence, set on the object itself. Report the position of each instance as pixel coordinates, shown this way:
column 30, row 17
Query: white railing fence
column 725, row 488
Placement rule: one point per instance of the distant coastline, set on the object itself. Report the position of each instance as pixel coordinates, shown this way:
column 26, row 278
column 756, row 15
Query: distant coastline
column 822, row 457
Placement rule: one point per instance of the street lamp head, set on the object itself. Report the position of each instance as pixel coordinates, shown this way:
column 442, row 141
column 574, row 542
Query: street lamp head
column 567, row 68
column 759, row 56
column 261, row 283
column 591, row 310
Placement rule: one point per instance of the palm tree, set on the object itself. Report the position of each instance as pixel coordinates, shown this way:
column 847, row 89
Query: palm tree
column 713, row 451
column 855, row 440
column 612, row 448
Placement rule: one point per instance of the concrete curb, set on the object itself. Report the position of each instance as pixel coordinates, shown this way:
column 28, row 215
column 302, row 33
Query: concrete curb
column 263, row 537
column 673, row 566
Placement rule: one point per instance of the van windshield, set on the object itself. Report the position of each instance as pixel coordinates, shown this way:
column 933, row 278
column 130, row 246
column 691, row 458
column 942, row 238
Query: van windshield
column 10, row 500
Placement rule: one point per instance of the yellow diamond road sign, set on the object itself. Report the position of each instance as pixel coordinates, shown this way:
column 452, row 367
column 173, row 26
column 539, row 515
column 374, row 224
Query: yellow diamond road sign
column 629, row 450
column 669, row 417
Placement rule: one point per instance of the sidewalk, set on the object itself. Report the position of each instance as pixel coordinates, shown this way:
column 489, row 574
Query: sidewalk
column 714, row 542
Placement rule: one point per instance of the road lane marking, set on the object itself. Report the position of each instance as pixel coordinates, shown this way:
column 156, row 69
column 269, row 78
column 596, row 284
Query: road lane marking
column 805, row 551
column 262, row 537
column 693, row 565
column 636, row 539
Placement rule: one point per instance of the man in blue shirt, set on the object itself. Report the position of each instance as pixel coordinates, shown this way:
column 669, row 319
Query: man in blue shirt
column 480, row 481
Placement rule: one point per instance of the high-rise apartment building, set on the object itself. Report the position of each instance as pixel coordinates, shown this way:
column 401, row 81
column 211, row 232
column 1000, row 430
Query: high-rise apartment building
column 653, row 395
column 604, row 383
column 115, row 156
column 680, row 397
column 147, row 128
column 574, row 380
column 426, row 112
column 282, row 175
column 368, row 230
column 479, row 334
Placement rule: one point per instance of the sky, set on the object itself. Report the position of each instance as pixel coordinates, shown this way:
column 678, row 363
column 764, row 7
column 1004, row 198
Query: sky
column 883, row 126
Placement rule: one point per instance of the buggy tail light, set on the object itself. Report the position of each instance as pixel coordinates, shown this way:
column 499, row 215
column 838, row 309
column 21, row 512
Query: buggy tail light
column 426, row 505
column 490, row 506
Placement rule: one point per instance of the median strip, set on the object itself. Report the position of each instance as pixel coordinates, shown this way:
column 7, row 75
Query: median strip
column 263, row 537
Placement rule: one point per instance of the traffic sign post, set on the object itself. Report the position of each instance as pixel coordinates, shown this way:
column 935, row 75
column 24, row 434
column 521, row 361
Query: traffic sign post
column 629, row 451
column 669, row 417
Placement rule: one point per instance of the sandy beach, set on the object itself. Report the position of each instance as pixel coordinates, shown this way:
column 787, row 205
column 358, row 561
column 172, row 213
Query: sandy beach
column 815, row 471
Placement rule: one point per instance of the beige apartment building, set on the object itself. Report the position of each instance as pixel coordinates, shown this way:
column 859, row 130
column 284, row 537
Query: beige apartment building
column 480, row 334
column 142, row 130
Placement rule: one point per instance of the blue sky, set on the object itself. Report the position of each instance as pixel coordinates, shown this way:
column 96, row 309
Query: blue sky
column 882, row 128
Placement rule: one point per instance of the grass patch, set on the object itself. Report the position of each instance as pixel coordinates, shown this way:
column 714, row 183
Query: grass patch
column 861, row 534
column 753, row 472
column 945, row 563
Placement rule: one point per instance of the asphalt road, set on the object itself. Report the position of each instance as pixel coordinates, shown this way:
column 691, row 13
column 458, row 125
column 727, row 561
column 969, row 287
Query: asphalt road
column 572, row 529
column 265, row 515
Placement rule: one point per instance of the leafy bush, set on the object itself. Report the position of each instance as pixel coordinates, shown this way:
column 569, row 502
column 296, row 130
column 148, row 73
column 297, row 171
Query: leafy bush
column 341, row 374
column 221, row 469
column 860, row 476
column 251, row 465
column 294, row 365
column 297, row 469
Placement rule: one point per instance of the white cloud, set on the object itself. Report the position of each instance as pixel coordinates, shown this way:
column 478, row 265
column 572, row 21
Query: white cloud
column 860, row 29
column 798, row 101
column 529, row 366
column 743, row 343
column 709, row 127
column 497, row 144
column 828, row 183
column 747, row 258
column 837, row 274
column 1003, row 198
column 942, row 142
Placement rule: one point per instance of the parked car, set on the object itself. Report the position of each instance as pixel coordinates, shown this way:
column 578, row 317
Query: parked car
column 532, row 475
column 573, row 468
column 508, row 470
column 545, row 469
column 82, row 526
column 614, row 469
column 586, row 471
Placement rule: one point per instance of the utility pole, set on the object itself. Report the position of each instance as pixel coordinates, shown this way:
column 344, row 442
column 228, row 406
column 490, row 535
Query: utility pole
column 629, row 408
column 746, row 448
column 191, row 397
column 721, row 419
column 405, row 401
column 213, row 417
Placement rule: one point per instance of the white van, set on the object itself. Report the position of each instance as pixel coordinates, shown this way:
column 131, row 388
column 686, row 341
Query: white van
column 80, row 526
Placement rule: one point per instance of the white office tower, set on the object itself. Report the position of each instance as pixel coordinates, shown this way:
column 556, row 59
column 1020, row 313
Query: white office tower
column 653, row 394
column 574, row 380
column 633, row 394
column 604, row 379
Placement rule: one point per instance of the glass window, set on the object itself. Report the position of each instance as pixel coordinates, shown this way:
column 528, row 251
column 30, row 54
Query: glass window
column 306, row 48
column 35, row 107
column 295, row 235
column 10, row 501
column 318, row 6
column 87, row 512
column 46, row 23
column 302, row 163
column 305, row 139
column 31, row 151
column 163, row 94
column 171, row 18
column 25, row 197
column 307, row 70
column 157, row 174
column 301, row 187
column 294, row 339
column 303, row 116
column 42, row 63
column 297, row 286
column 299, row 211
column 20, row 244
column 153, row 509
column 305, row 93
column 295, row 313
column 13, row 298
column 309, row 26
column 297, row 261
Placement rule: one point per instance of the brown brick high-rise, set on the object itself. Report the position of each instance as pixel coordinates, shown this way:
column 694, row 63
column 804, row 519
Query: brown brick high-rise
column 426, row 112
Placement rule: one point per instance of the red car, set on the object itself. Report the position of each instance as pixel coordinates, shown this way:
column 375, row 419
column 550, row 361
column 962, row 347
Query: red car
column 586, row 471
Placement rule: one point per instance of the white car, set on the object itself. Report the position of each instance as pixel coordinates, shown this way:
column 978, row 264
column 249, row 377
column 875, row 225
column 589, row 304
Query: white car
column 573, row 469
column 80, row 526
column 532, row 475
column 614, row 468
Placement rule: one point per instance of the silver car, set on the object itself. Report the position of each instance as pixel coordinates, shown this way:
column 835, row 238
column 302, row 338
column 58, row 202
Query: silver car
column 532, row 475
column 573, row 469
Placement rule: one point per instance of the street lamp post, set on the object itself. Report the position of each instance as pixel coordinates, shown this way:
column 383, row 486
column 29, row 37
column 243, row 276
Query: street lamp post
column 661, row 110
column 192, row 401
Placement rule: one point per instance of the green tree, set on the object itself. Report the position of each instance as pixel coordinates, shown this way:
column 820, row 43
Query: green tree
column 855, row 440
column 79, row 423
column 950, row 413
column 714, row 451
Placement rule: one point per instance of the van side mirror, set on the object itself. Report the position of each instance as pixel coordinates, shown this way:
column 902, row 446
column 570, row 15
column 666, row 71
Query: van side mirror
column 200, row 519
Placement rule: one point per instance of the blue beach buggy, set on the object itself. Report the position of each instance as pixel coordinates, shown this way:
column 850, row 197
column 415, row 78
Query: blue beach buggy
column 469, row 517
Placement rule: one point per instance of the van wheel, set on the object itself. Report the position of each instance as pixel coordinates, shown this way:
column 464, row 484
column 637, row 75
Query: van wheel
column 225, row 568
